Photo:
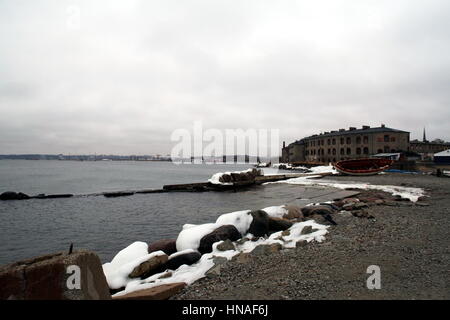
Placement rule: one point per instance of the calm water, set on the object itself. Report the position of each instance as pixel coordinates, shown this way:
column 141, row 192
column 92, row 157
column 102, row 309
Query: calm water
column 33, row 227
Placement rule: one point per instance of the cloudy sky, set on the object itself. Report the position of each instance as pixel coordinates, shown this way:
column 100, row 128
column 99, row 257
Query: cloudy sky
column 106, row 76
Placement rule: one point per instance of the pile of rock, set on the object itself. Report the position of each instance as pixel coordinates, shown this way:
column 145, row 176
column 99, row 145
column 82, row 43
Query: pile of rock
column 10, row 195
column 169, row 259
column 248, row 176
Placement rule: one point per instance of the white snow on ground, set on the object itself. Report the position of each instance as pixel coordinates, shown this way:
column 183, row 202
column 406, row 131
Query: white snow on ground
column 317, row 169
column 405, row 192
column 323, row 169
column 240, row 219
column 192, row 273
column 124, row 262
column 276, row 211
column 190, row 236
column 215, row 179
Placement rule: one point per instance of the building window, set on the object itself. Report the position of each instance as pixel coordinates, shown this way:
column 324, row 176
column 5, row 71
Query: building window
column 349, row 140
column 366, row 150
column 392, row 139
column 366, row 139
column 358, row 150
column 342, row 151
column 328, row 141
column 342, row 140
column 334, row 141
column 380, row 151
column 386, row 138
column 329, row 151
column 334, row 151
column 349, row 151
column 386, row 149
column 358, row 140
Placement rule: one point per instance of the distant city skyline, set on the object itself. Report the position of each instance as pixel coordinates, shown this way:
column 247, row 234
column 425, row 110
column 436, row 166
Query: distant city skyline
column 118, row 77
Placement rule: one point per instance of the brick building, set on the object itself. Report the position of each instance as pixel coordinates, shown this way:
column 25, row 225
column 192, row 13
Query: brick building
column 346, row 144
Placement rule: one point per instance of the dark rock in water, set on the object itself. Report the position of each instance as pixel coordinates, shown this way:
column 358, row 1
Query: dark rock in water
column 54, row 277
column 117, row 194
column 53, row 196
column 168, row 246
column 279, row 224
column 186, row 258
column 222, row 233
column 248, row 177
column 10, row 195
column 149, row 267
column 260, row 224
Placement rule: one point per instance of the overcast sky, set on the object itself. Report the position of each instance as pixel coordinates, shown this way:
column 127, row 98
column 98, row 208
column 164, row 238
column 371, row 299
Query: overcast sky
column 104, row 76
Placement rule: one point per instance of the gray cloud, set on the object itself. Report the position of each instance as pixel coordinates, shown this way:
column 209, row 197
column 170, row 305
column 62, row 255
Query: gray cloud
column 134, row 71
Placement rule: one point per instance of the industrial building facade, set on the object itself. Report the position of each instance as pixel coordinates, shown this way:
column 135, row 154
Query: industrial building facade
column 346, row 144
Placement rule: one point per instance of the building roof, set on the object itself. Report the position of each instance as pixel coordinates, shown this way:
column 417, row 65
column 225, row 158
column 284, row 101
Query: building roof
column 430, row 143
column 362, row 131
column 445, row 153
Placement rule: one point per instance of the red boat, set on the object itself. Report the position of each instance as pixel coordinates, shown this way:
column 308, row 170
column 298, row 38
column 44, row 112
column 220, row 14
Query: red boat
column 362, row 167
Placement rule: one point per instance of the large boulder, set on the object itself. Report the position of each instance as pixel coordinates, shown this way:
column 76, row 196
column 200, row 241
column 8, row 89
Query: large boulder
column 185, row 258
column 222, row 233
column 10, row 195
column 294, row 212
column 149, row 267
column 260, row 224
column 61, row 276
column 168, row 246
column 279, row 224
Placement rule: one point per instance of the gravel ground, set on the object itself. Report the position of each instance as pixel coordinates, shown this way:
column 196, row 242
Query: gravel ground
column 410, row 244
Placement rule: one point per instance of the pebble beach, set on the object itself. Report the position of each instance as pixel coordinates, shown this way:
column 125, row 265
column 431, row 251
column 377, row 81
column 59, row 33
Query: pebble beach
column 409, row 242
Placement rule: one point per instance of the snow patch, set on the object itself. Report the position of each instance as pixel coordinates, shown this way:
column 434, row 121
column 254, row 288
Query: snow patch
column 276, row 211
column 240, row 219
column 117, row 271
column 410, row 193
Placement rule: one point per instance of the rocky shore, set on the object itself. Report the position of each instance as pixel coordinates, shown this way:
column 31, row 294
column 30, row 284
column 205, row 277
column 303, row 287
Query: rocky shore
column 408, row 241
column 291, row 251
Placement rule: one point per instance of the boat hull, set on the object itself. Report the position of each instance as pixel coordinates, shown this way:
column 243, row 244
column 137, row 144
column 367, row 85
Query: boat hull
column 362, row 167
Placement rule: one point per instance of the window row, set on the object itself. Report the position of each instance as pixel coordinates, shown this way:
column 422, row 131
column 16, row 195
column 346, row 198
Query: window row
column 348, row 140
